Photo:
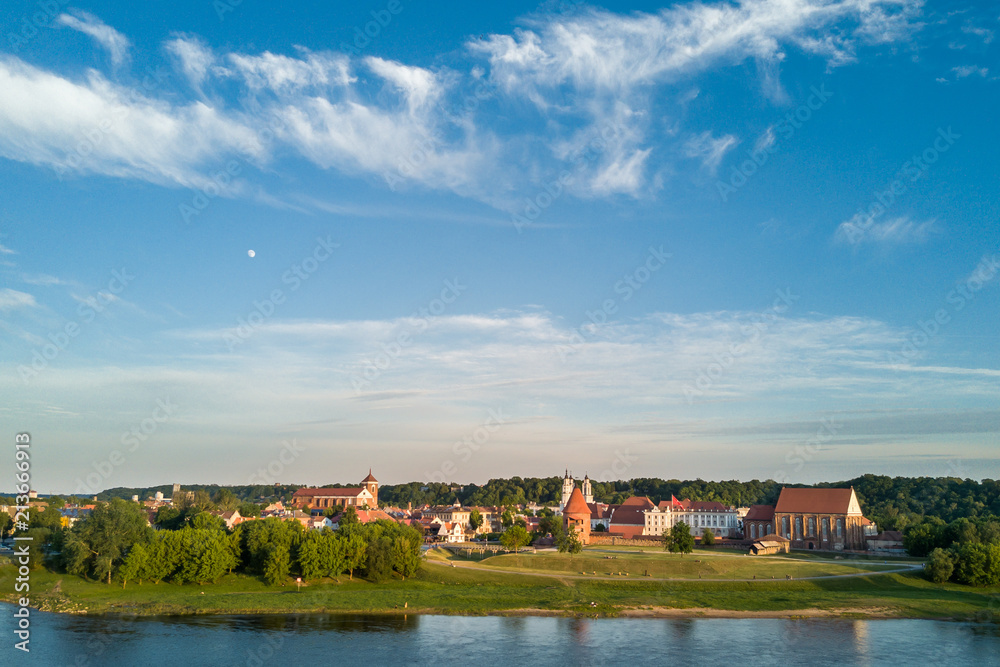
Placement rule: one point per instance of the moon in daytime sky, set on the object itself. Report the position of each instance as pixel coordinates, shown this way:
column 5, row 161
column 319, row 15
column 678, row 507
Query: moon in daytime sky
column 251, row 253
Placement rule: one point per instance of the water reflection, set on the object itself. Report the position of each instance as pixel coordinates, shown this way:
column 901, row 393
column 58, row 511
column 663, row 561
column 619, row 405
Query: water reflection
column 378, row 639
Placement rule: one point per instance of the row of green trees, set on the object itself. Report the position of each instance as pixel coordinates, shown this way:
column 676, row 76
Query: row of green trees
column 933, row 533
column 971, row 564
column 966, row 551
column 115, row 543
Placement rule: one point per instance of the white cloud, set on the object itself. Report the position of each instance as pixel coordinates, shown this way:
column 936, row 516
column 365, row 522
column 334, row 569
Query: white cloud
column 12, row 299
column 283, row 74
column 894, row 231
column 592, row 63
column 419, row 85
column 194, row 57
column 41, row 280
column 622, row 384
column 710, row 150
column 985, row 34
column 764, row 141
column 112, row 40
column 964, row 71
column 94, row 126
column 599, row 50
column 622, row 174
column 585, row 71
column 4, row 250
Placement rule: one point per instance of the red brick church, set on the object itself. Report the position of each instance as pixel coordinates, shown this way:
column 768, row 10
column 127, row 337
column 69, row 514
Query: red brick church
column 365, row 495
column 828, row 519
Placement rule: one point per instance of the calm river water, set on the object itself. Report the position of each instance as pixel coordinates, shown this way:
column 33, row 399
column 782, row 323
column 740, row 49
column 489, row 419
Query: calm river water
column 454, row 640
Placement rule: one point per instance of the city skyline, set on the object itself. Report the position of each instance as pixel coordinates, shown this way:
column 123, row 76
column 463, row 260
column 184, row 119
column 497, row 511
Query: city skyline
column 718, row 241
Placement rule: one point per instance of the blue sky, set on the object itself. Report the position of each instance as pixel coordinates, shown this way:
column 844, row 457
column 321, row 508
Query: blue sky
column 720, row 240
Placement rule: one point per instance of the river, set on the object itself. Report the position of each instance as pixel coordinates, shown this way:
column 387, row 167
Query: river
column 255, row 641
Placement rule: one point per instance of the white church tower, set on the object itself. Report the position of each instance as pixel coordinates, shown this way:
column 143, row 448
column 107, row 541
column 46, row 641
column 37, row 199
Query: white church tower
column 567, row 490
column 588, row 492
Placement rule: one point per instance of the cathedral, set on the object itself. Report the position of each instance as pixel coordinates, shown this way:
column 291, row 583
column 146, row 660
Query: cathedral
column 567, row 490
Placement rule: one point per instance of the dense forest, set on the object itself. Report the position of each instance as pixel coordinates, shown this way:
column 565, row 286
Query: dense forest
column 892, row 502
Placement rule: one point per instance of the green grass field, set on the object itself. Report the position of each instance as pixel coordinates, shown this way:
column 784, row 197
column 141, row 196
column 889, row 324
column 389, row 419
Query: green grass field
column 701, row 564
column 450, row 585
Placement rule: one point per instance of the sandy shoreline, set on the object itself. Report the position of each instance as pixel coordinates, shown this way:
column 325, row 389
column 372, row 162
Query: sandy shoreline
column 851, row 613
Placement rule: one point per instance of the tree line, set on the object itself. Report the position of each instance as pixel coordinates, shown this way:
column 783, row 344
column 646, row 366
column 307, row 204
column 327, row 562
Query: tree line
column 115, row 543
column 966, row 551
column 894, row 503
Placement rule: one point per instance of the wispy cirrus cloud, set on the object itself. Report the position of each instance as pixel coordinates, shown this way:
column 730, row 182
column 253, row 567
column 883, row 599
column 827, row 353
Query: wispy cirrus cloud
column 862, row 229
column 709, row 150
column 130, row 135
column 12, row 299
column 622, row 385
column 116, row 43
column 584, row 72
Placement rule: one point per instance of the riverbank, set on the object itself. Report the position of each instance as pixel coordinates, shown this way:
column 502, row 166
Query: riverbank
column 467, row 588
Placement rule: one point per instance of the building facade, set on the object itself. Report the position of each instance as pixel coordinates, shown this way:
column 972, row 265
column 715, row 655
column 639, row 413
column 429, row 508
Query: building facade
column 323, row 498
column 576, row 516
column 821, row 519
column 698, row 515
column 758, row 522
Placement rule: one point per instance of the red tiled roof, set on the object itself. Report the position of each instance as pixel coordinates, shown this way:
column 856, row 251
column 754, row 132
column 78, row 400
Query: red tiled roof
column 760, row 513
column 624, row 516
column 597, row 510
column 365, row 516
column 641, row 502
column 673, row 503
column 576, row 504
column 369, row 478
column 707, row 506
column 327, row 491
column 821, row 501
column 771, row 537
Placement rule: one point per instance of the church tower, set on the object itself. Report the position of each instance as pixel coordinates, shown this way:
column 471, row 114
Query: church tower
column 567, row 490
column 371, row 484
column 588, row 492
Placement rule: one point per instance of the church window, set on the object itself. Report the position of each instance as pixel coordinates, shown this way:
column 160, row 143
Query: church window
column 812, row 525
column 798, row 528
column 840, row 528
column 784, row 527
column 826, row 528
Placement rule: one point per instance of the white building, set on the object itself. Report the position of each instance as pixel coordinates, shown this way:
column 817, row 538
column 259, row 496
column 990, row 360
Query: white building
column 698, row 515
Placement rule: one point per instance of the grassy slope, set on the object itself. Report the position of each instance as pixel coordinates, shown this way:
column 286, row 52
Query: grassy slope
column 440, row 588
column 671, row 566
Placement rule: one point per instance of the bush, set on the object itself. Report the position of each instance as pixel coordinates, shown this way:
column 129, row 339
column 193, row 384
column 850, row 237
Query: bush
column 939, row 566
column 707, row 538
column 978, row 565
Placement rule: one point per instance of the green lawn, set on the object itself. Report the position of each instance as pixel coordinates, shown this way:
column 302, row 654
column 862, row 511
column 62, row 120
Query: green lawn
column 658, row 564
column 441, row 588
